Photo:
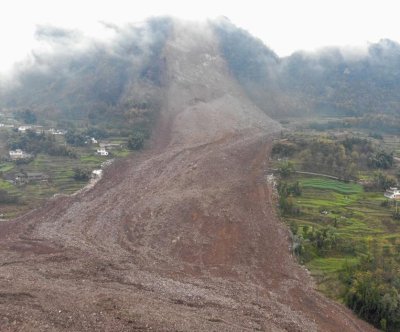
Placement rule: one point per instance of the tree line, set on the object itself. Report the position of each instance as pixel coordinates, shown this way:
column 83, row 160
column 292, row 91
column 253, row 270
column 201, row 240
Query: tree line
column 34, row 143
column 343, row 158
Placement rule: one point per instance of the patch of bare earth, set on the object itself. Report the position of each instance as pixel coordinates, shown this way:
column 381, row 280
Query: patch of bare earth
column 182, row 237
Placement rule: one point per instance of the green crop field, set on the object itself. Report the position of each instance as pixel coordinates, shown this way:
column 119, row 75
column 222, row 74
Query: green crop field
column 331, row 264
column 328, row 184
column 344, row 235
column 4, row 185
column 60, row 171
column 6, row 167
column 357, row 217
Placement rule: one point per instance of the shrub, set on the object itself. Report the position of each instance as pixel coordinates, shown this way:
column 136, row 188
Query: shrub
column 286, row 169
column 26, row 116
column 81, row 174
column 381, row 160
column 75, row 139
column 136, row 141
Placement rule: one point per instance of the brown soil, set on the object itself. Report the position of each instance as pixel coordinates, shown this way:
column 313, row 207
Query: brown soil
column 182, row 237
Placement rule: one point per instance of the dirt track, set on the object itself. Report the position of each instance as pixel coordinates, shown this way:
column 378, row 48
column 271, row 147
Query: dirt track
column 182, row 237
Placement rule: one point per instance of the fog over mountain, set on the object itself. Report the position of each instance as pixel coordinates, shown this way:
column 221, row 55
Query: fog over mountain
column 77, row 77
column 80, row 78
column 334, row 80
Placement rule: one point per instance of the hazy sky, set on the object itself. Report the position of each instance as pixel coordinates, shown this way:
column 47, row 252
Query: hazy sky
column 283, row 25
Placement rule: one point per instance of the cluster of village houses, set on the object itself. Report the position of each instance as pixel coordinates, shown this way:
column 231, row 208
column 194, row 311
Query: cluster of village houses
column 20, row 154
column 21, row 178
column 28, row 177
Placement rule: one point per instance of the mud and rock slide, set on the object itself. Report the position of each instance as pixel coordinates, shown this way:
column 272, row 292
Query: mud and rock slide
column 181, row 237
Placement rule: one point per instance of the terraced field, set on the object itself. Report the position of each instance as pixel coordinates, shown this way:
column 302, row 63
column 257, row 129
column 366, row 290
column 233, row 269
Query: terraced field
column 328, row 184
column 393, row 144
column 61, row 176
column 357, row 217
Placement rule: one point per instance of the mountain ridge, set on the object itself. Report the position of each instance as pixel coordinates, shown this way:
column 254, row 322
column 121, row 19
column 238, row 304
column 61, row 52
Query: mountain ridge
column 102, row 79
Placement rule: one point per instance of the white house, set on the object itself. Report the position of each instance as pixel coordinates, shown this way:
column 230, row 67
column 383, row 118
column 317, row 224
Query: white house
column 18, row 154
column 56, row 131
column 23, row 129
column 102, row 152
column 94, row 141
column 392, row 193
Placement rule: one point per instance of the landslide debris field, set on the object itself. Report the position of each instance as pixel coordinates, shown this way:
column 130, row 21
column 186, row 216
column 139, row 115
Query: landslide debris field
column 182, row 237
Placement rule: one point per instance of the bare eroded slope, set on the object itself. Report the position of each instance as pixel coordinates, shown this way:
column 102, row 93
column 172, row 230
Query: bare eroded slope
column 182, row 237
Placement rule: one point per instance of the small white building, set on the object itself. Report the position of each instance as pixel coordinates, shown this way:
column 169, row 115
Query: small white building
column 23, row 129
column 102, row 152
column 94, row 141
column 97, row 173
column 57, row 131
column 18, row 154
column 392, row 193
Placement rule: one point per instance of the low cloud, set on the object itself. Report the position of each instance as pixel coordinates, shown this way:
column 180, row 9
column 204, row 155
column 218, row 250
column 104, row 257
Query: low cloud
column 57, row 35
column 69, row 67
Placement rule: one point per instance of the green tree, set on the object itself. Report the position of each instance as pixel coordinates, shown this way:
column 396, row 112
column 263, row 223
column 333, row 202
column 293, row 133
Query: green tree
column 136, row 141
column 382, row 181
column 81, row 174
column 381, row 159
column 286, row 169
column 295, row 189
column 27, row 116
column 75, row 139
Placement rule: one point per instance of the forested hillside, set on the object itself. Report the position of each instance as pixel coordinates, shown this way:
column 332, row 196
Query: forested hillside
column 332, row 81
column 122, row 76
column 345, row 83
column 92, row 81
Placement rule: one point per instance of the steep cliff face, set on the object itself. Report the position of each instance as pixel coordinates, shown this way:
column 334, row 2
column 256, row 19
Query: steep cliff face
column 182, row 236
